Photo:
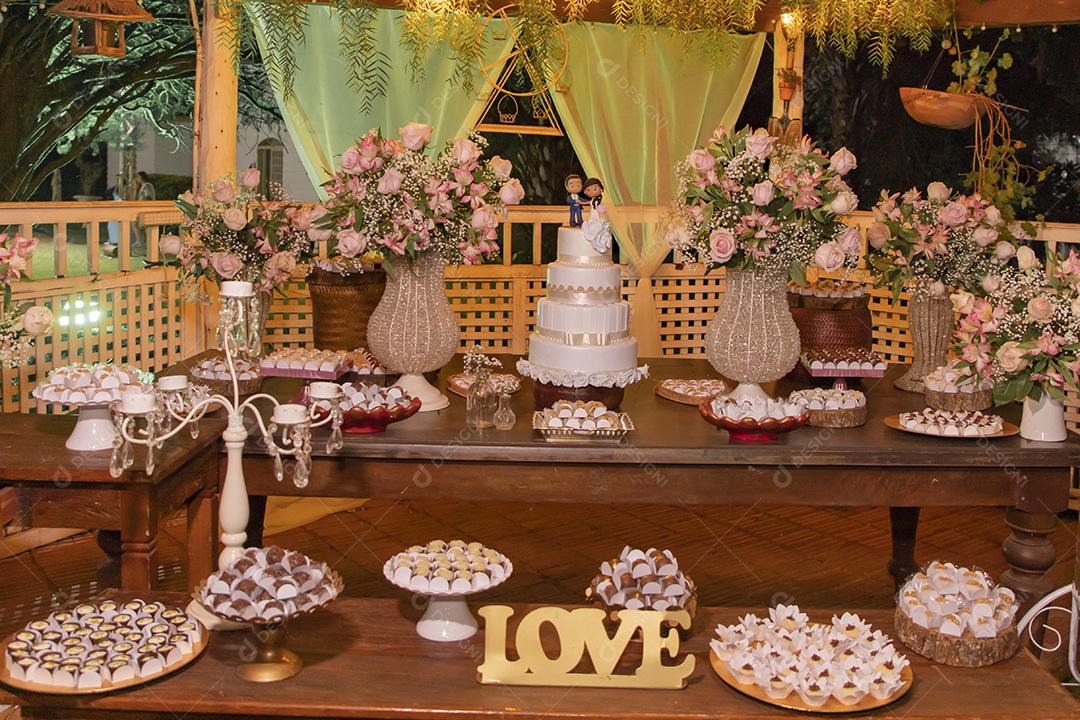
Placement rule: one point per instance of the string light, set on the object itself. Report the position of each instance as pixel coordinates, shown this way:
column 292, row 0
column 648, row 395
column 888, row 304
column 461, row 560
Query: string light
column 1053, row 29
column 1019, row 29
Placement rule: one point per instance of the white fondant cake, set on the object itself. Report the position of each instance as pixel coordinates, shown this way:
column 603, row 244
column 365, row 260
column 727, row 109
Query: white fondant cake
column 583, row 325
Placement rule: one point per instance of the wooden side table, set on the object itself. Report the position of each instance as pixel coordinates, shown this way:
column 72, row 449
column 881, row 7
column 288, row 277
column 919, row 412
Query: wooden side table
column 56, row 487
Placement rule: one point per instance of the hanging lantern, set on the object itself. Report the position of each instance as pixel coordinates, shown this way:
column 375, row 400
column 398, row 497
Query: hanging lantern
column 97, row 26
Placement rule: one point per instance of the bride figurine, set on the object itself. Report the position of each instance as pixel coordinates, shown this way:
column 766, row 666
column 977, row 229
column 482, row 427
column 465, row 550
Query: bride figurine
column 597, row 228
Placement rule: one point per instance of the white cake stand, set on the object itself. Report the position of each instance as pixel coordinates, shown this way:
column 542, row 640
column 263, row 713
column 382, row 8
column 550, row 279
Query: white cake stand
column 447, row 618
column 94, row 429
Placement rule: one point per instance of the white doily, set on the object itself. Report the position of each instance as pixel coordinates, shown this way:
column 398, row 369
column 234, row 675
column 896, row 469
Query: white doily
column 570, row 378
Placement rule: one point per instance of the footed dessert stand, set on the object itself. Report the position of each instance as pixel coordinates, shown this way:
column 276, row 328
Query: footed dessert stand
column 447, row 618
column 94, row 429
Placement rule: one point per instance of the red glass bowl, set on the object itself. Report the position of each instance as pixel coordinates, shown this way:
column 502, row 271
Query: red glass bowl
column 357, row 421
column 749, row 429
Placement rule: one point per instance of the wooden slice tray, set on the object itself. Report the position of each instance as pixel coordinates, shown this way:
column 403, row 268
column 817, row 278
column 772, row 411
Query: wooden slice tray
column 504, row 383
column 106, row 686
column 1007, row 430
column 794, row 702
column 686, row 399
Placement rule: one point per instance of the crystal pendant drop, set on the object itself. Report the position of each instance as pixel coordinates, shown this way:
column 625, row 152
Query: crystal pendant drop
column 279, row 468
column 127, row 455
column 116, row 462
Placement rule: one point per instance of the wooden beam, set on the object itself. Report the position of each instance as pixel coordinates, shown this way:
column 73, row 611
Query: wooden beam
column 215, row 124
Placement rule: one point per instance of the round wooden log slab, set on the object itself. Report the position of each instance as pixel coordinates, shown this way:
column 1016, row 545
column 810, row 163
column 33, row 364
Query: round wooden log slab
column 964, row 651
column 960, row 401
column 841, row 418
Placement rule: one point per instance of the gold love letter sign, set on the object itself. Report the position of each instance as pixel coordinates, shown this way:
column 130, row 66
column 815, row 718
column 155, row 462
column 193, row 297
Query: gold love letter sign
column 583, row 630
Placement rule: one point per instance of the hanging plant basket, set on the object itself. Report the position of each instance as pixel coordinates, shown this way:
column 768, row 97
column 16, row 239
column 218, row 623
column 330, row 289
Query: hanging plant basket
column 952, row 111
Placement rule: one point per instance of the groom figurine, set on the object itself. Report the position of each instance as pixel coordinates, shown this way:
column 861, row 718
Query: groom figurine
column 573, row 186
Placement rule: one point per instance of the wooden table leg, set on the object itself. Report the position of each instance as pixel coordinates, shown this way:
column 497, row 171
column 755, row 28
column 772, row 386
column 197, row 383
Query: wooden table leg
column 256, row 519
column 1030, row 554
column 108, row 570
column 138, row 538
column 202, row 536
column 905, row 526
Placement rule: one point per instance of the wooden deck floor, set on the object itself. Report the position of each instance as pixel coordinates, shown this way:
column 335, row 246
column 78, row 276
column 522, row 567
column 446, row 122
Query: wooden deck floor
column 754, row 556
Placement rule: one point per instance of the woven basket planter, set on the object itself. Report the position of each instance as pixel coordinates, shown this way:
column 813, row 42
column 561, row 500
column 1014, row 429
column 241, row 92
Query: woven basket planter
column 341, row 306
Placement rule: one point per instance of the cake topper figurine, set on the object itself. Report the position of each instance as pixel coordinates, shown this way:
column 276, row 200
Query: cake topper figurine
column 573, row 186
column 597, row 228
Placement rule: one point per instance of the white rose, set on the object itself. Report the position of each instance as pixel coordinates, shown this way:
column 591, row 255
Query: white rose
column 501, row 167
column 829, row 257
column 235, row 219
column 1011, row 358
column 990, row 284
column 938, row 191
column 984, row 236
column 38, row 320
column 938, row 289
column 993, row 216
column 843, row 161
column 844, row 202
column 169, row 245
column 1027, row 259
column 415, row 135
column 878, row 235
column 1040, row 309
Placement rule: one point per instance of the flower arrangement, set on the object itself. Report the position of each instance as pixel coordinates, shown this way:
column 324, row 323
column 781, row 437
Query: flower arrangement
column 938, row 241
column 388, row 197
column 19, row 325
column 476, row 360
column 750, row 202
column 234, row 232
column 1025, row 335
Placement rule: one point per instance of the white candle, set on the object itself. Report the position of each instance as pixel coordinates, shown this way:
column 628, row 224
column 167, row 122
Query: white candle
column 236, row 289
column 137, row 403
column 172, row 382
column 324, row 390
column 290, row 414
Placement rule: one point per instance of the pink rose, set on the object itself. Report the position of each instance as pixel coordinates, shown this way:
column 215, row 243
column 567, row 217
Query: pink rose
column 829, row 257
column 1040, row 309
column 990, row 284
column 843, row 161
column 760, row 143
column 762, row 193
column 1003, row 251
column 844, row 202
column 465, row 151
column 225, row 264
column 501, row 167
column 281, row 262
column 1027, row 259
column 250, row 178
column 848, row 240
column 702, row 160
column 170, row 245
column 993, row 216
column 390, row 182
column 415, row 136
column 984, row 236
column 38, row 320
column 938, row 289
column 512, row 193
column 878, row 235
column 483, row 218
column 223, row 190
column 953, row 214
column 937, row 191
column 235, row 219
column 351, row 162
column 350, row 243
column 721, row 245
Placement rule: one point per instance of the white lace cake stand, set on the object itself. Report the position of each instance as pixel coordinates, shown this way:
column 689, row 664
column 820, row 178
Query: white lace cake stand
column 447, row 618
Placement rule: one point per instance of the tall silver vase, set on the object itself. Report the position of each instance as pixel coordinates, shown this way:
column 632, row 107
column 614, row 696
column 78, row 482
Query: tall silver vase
column 753, row 338
column 414, row 330
column 931, row 320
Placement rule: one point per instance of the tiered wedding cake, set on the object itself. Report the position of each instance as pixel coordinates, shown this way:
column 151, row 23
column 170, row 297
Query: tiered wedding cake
column 582, row 336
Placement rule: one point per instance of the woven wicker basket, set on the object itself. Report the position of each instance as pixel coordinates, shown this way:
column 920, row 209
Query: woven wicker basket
column 341, row 306
column 820, row 328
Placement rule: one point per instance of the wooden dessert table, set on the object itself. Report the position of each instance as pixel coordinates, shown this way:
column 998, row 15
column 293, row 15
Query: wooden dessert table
column 675, row 457
column 57, row 487
column 363, row 659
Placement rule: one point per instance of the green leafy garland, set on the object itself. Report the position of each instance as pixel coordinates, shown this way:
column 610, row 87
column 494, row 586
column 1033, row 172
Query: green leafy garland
column 458, row 24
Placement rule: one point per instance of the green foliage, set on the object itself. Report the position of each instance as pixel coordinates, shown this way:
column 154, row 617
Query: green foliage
column 976, row 70
column 368, row 66
column 844, row 24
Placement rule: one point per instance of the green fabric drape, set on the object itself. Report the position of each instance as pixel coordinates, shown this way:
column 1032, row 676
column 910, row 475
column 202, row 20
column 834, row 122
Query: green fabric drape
column 323, row 115
column 637, row 102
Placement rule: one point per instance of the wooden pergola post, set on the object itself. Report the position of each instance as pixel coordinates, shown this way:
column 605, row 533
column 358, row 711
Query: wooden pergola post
column 216, row 100
column 783, row 58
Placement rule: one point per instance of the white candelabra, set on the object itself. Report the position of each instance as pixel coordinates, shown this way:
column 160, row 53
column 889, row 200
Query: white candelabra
column 152, row 418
